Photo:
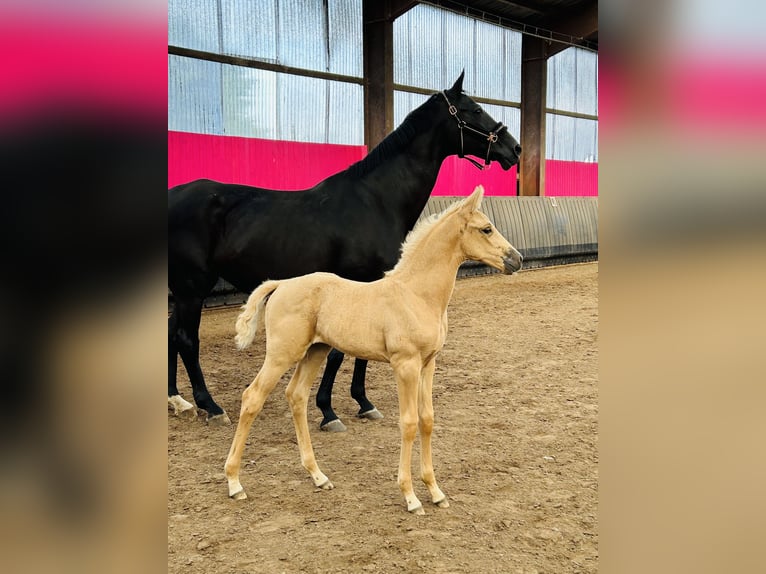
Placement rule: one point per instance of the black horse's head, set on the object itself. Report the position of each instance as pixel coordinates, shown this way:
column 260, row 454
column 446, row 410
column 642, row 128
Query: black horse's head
column 475, row 131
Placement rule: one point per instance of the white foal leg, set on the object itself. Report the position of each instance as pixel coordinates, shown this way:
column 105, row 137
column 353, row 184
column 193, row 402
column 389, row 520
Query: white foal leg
column 252, row 402
column 297, row 393
column 426, row 425
column 181, row 407
column 407, row 376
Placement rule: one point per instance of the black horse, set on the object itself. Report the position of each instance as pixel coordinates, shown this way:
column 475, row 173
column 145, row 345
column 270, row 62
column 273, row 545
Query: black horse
column 352, row 224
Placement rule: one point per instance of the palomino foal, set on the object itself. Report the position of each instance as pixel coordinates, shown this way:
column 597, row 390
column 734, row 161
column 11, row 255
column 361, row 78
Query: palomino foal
column 400, row 319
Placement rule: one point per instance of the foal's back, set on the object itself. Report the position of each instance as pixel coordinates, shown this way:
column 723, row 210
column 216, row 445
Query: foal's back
column 367, row 320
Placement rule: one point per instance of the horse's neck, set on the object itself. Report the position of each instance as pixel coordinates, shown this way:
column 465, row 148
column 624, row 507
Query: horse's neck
column 415, row 168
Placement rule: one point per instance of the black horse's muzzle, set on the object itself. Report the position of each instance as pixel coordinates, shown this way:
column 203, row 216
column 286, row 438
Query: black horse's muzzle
column 508, row 152
column 512, row 261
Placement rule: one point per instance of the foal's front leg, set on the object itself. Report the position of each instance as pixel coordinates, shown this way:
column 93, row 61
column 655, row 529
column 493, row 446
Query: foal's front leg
column 407, row 376
column 426, row 425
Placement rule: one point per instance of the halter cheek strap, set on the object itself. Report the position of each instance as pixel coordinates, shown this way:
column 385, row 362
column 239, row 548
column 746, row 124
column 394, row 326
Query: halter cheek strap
column 491, row 136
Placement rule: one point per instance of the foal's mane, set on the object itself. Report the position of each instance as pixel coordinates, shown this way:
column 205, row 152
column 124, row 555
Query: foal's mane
column 421, row 231
column 417, row 121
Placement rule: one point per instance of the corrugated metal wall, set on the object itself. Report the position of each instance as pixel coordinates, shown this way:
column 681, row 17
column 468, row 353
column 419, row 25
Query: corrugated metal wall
column 572, row 87
column 221, row 99
column 431, row 47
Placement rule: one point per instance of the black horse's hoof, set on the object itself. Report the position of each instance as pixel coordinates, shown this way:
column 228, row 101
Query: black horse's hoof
column 372, row 415
column 333, row 426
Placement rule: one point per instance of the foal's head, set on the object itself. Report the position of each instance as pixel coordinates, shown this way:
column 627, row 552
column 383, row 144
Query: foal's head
column 481, row 241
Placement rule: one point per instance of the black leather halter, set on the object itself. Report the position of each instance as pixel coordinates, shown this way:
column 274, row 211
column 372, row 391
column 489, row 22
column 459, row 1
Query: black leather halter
column 491, row 136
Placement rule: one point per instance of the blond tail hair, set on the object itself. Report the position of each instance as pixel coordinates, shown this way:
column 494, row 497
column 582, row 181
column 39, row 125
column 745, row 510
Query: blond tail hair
column 251, row 319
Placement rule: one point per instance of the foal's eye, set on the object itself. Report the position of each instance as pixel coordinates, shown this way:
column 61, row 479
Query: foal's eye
column 486, row 230
column 477, row 111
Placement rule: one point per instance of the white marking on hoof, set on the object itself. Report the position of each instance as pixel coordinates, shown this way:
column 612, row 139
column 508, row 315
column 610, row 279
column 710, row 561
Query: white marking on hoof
column 239, row 495
column 326, row 485
column 372, row 415
column 418, row 510
column 334, row 426
column 182, row 408
column 219, row 420
column 443, row 503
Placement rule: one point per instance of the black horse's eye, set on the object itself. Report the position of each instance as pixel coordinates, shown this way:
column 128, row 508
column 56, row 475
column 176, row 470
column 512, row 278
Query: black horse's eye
column 487, row 230
column 477, row 111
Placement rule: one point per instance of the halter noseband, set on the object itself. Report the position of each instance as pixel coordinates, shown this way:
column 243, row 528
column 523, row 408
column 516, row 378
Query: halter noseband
column 491, row 136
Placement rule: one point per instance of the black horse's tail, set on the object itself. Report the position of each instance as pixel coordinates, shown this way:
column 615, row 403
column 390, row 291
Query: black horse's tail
column 251, row 319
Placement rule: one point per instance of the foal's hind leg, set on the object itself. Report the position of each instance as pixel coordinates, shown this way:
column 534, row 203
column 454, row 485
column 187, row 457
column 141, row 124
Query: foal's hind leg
column 426, row 425
column 252, row 402
column 298, row 397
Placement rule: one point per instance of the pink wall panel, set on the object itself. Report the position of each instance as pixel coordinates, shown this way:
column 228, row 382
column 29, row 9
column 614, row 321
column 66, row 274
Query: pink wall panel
column 459, row 177
column 262, row 163
column 295, row 165
column 570, row 178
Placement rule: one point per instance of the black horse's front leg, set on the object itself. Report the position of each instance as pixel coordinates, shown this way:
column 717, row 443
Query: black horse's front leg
column 330, row 421
column 366, row 409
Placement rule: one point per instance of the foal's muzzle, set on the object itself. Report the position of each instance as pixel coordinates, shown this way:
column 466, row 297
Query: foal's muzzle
column 512, row 261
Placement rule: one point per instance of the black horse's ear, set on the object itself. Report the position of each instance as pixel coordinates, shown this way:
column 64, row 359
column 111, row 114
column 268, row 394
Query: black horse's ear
column 457, row 87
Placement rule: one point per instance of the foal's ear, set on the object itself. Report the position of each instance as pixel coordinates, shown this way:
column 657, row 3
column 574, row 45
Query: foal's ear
column 473, row 202
column 457, row 87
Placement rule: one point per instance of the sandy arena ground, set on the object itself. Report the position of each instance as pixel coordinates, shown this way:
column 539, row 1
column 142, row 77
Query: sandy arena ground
column 515, row 450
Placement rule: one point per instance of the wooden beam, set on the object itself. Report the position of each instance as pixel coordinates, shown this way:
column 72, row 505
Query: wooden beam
column 378, row 56
column 534, row 74
column 581, row 24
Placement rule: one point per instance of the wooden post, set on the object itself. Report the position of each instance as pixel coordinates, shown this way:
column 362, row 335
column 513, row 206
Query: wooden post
column 378, row 39
column 534, row 79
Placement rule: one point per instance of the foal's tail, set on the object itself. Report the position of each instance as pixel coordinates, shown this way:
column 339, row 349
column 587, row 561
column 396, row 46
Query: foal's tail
column 251, row 319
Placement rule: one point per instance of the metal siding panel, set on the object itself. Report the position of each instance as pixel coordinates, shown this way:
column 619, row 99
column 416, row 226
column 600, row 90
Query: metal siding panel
column 250, row 30
column 562, row 81
column 345, row 23
column 301, row 108
column 402, row 51
column 490, row 64
column 512, row 65
column 250, row 101
column 426, row 44
column 587, row 82
column 457, row 51
column 586, row 144
column 194, row 24
column 194, row 96
column 302, row 35
column 346, row 114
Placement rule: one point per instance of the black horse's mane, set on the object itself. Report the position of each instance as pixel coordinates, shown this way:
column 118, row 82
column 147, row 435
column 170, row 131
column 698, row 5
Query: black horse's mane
column 417, row 121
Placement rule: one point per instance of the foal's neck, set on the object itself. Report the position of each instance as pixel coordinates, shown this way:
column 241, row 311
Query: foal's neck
column 430, row 270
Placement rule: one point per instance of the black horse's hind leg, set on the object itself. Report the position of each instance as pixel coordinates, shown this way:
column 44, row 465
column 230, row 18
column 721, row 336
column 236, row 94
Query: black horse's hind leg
column 187, row 343
column 366, row 409
column 330, row 421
